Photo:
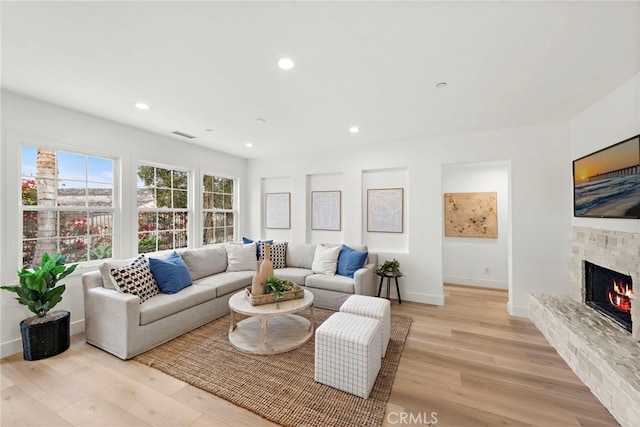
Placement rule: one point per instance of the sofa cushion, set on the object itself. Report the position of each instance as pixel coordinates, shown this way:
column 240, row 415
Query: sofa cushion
column 227, row 282
column 331, row 283
column 105, row 271
column 247, row 240
column 277, row 254
column 205, row 261
column 325, row 260
column 300, row 256
column 350, row 261
column 293, row 274
column 136, row 279
column 171, row 273
column 362, row 248
column 163, row 305
column 241, row 257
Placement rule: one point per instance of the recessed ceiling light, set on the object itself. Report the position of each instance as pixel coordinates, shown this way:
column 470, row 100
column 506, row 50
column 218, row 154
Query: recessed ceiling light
column 441, row 85
column 354, row 129
column 142, row 106
column 286, row 63
column 249, row 145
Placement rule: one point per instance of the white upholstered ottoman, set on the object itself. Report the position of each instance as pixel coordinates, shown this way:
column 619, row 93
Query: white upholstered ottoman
column 376, row 308
column 348, row 353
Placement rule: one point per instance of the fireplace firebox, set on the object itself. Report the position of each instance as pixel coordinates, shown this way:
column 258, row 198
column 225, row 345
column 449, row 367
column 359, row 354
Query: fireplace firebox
column 609, row 292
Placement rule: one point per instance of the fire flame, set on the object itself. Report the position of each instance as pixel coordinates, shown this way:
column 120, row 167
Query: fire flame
column 620, row 296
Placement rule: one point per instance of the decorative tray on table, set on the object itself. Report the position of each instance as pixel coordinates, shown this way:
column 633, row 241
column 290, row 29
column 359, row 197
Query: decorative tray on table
column 294, row 292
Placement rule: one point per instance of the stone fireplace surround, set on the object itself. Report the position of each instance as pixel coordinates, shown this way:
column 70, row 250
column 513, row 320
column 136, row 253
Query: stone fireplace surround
column 602, row 354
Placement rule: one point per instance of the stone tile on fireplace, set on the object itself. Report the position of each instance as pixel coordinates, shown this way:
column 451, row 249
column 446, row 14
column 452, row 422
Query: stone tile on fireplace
column 615, row 250
column 635, row 314
column 602, row 354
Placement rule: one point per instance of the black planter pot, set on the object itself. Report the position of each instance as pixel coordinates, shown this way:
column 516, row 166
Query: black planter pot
column 42, row 340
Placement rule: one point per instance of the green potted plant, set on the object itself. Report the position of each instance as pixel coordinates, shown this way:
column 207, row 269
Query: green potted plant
column 47, row 333
column 389, row 268
column 277, row 286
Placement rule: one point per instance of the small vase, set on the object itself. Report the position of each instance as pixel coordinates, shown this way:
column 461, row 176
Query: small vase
column 266, row 267
column 257, row 288
column 264, row 271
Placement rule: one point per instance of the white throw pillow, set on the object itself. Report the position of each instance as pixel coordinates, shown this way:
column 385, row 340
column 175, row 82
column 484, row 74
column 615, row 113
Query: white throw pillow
column 241, row 257
column 325, row 260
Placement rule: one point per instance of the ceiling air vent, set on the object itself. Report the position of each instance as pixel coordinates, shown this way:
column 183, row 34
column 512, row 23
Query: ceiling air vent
column 182, row 134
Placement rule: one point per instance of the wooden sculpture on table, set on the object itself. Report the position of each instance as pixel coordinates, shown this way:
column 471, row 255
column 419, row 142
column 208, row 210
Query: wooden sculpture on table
column 263, row 273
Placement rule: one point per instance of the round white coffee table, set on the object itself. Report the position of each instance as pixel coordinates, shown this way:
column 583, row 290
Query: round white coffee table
column 286, row 330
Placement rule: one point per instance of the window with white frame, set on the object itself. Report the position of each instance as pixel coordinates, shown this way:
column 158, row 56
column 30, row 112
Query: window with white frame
column 67, row 205
column 218, row 209
column 163, row 208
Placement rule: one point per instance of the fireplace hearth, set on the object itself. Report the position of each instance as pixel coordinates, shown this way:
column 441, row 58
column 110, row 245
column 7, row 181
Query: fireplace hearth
column 603, row 355
column 609, row 292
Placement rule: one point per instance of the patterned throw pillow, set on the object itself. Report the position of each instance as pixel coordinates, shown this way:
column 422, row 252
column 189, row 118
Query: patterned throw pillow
column 278, row 254
column 247, row 240
column 136, row 279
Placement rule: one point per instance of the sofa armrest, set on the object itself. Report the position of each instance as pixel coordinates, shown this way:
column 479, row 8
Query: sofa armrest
column 365, row 278
column 110, row 316
column 91, row 279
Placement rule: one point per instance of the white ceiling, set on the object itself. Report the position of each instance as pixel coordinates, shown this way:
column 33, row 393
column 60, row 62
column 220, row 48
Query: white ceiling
column 213, row 65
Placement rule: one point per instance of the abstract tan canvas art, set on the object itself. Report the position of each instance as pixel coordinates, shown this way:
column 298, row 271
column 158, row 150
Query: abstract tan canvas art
column 471, row 214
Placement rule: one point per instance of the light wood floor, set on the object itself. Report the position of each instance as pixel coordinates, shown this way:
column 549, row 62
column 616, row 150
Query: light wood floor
column 468, row 362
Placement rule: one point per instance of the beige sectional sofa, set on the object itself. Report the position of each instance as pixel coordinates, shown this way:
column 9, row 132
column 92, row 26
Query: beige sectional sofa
column 118, row 323
column 328, row 291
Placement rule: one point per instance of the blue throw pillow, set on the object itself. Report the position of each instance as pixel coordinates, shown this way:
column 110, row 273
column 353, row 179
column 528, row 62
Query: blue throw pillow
column 171, row 273
column 246, row 241
column 350, row 261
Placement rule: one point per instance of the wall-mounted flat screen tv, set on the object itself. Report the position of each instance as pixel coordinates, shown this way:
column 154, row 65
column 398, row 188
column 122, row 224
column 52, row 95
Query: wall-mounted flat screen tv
column 606, row 184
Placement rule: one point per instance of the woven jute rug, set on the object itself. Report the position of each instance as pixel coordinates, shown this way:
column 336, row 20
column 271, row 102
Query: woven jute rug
column 278, row 387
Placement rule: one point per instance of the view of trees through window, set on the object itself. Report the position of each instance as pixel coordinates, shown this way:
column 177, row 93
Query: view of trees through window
column 67, row 205
column 163, row 208
column 218, row 209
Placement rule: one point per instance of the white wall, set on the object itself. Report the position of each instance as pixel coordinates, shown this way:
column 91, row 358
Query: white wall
column 612, row 119
column 540, row 203
column 475, row 261
column 38, row 123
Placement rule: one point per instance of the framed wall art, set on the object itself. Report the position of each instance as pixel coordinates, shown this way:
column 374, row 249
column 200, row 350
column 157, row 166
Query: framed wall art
column 385, row 210
column 471, row 214
column 326, row 210
column 278, row 210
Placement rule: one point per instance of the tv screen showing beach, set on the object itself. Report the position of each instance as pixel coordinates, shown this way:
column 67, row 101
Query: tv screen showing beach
column 607, row 182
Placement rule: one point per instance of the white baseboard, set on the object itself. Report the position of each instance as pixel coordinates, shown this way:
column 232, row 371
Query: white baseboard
column 474, row 281
column 15, row 346
column 77, row 326
column 11, row 347
column 517, row 310
column 422, row 298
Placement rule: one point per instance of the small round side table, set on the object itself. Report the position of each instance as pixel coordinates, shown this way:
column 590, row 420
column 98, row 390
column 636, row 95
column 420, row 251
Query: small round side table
column 390, row 276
